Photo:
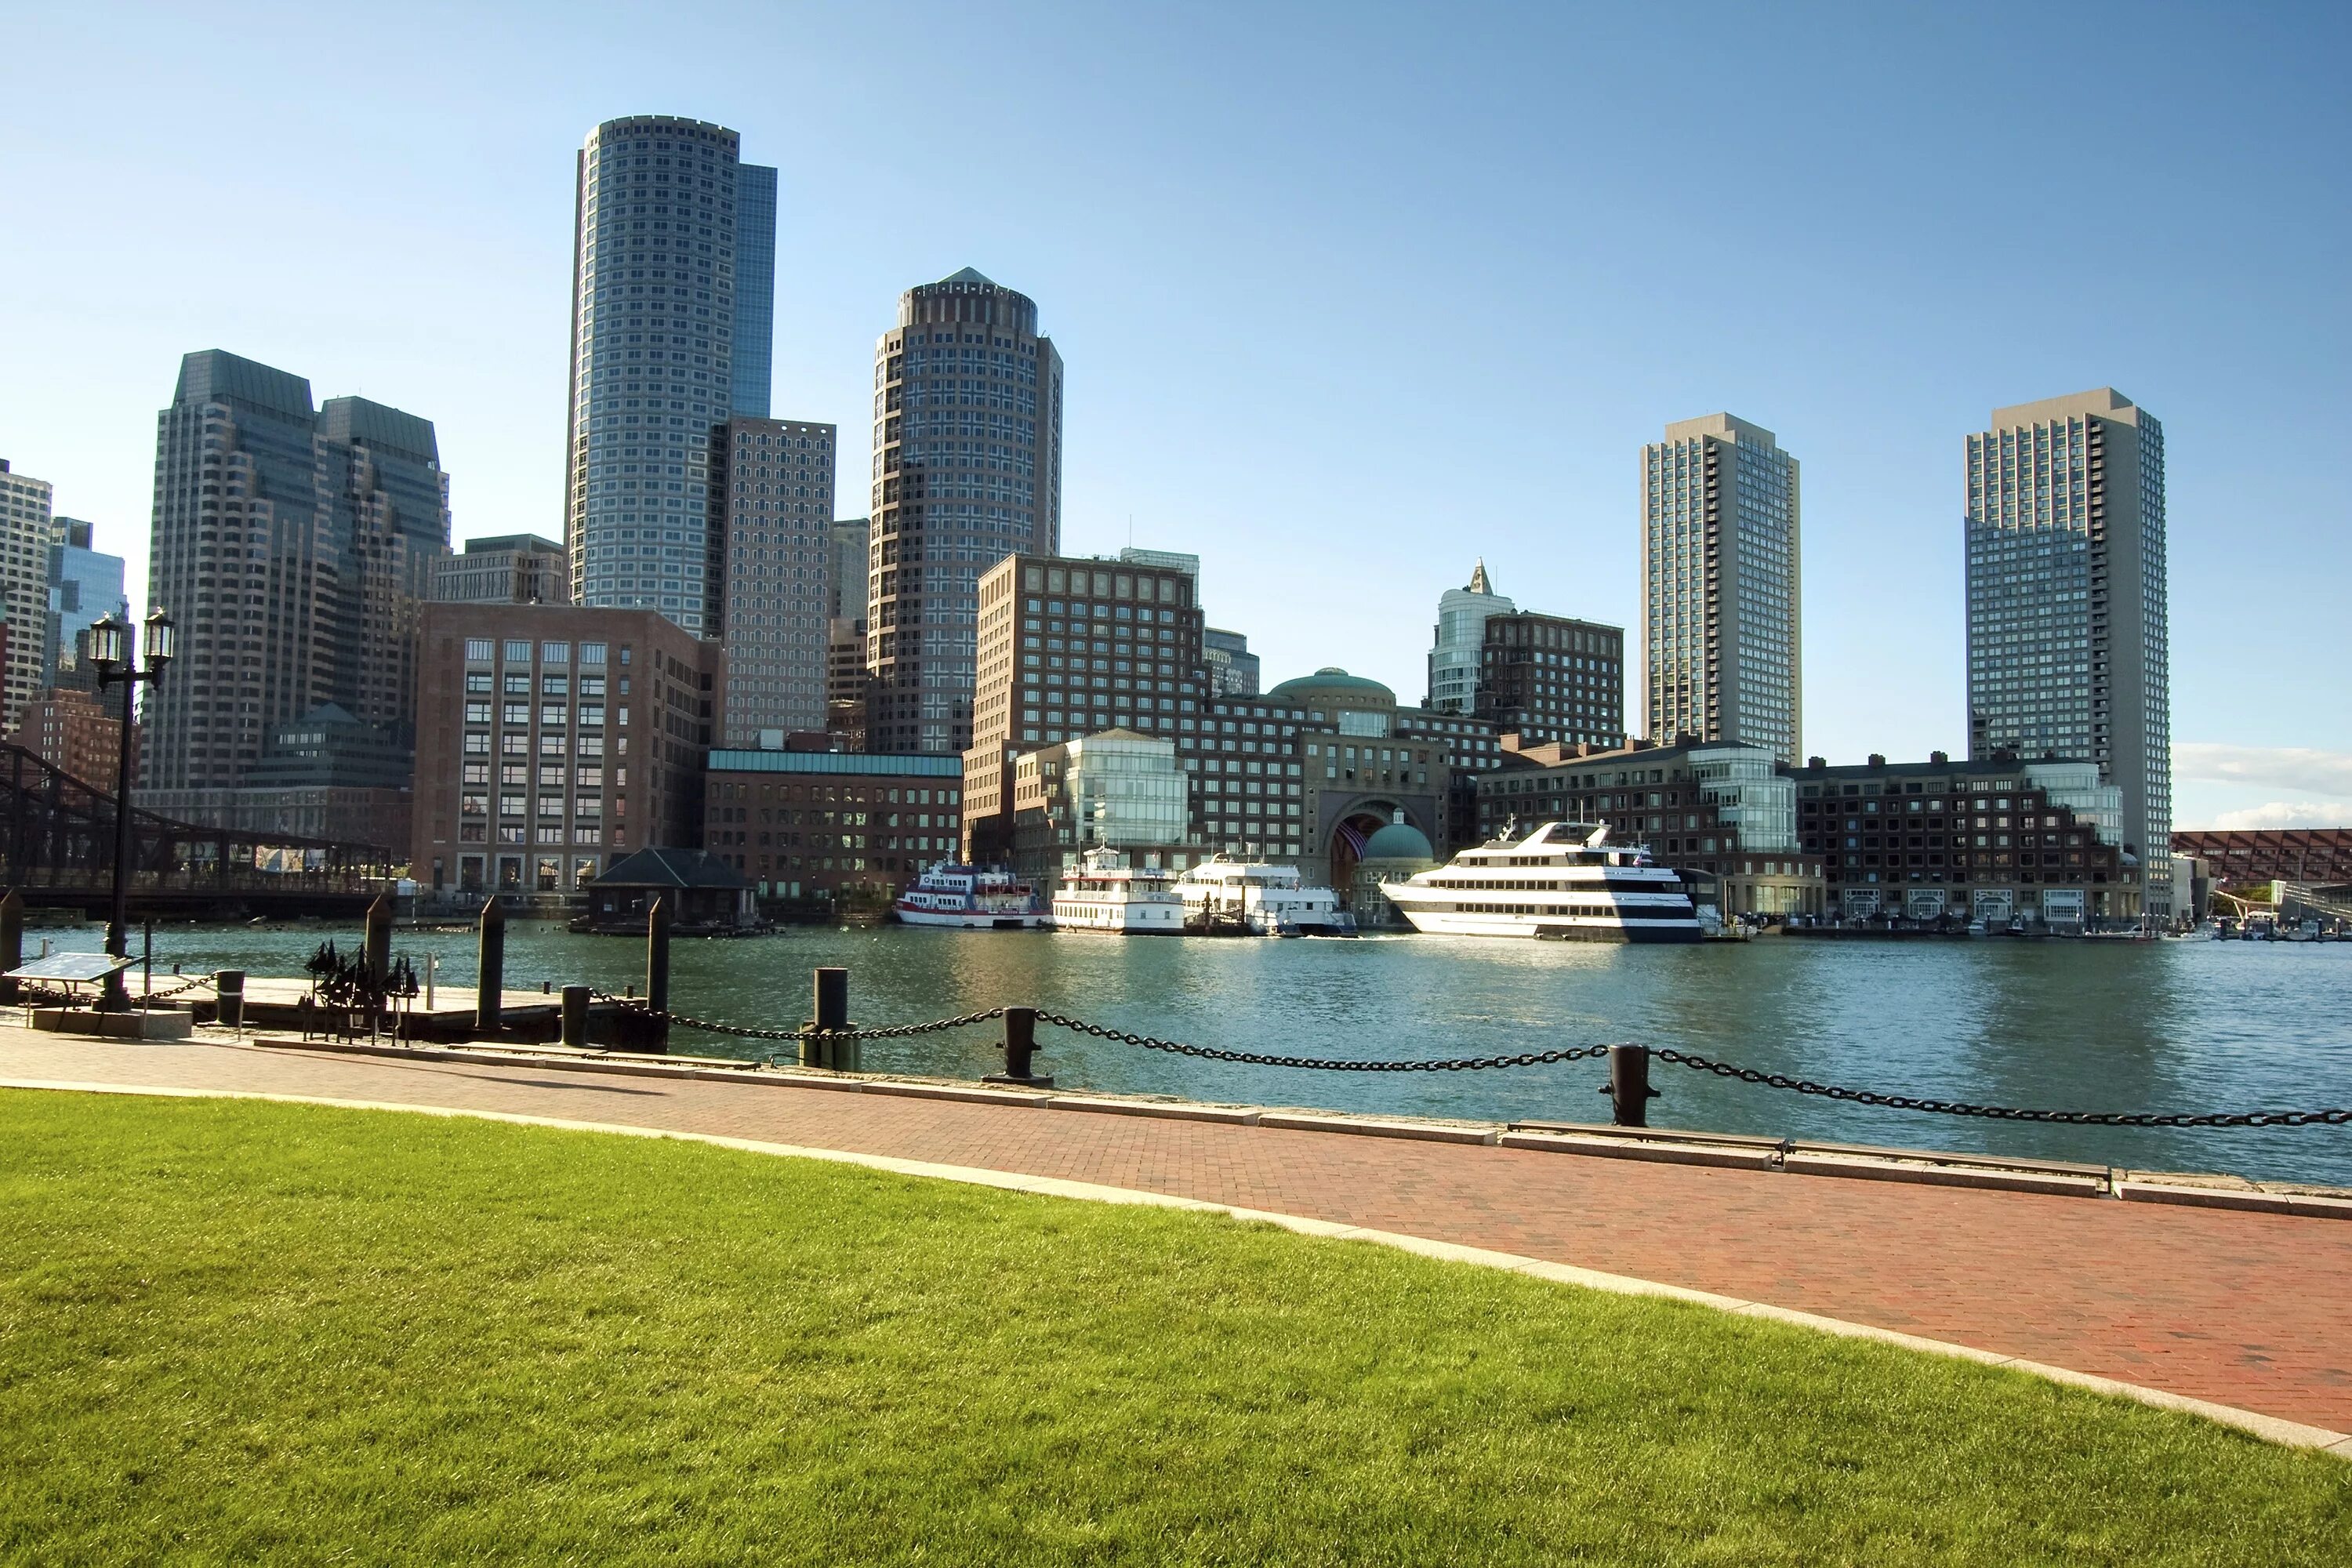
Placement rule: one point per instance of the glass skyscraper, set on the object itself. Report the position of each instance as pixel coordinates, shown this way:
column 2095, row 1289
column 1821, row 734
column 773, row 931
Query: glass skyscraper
column 84, row 583
column 673, row 247
column 1721, row 647
column 2066, row 595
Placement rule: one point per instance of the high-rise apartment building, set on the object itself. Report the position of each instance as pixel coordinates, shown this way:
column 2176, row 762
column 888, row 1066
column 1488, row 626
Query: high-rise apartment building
column 1457, row 649
column 84, row 584
column 294, row 547
column 1232, row 669
column 1547, row 678
column 772, row 523
column 673, row 298
column 966, row 470
column 1721, row 654
column 505, row 569
column 27, row 532
column 2067, row 618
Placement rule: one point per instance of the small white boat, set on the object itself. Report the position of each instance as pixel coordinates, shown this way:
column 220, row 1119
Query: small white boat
column 1105, row 894
column 1259, row 900
column 970, row 898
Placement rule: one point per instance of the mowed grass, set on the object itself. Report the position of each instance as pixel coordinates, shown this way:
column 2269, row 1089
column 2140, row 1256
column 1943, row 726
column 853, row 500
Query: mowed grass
column 244, row 1332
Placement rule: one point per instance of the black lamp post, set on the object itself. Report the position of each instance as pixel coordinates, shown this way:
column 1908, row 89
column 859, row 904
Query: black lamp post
column 110, row 650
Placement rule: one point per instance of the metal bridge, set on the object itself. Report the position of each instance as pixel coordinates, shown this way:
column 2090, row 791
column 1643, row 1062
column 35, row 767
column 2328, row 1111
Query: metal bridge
column 56, row 847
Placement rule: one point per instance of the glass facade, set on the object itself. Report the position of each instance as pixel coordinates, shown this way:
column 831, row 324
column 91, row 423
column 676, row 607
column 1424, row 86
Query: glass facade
column 1126, row 790
column 1457, row 649
column 84, row 583
column 674, row 300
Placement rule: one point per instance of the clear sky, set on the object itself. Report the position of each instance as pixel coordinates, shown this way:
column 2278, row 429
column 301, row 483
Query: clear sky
column 1349, row 295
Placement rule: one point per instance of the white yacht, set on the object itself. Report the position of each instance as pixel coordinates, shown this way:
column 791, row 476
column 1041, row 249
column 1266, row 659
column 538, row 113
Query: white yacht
column 971, row 898
column 1105, row 894
column 1259, row 900
column 1564, row 882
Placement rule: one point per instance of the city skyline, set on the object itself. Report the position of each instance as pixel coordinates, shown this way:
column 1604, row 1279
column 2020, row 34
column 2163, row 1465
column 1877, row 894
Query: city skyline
column 1250, row 447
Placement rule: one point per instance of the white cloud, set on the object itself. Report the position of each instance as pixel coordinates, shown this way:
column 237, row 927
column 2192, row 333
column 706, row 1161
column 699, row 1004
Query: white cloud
column 2288, row 814
column 2294, row 769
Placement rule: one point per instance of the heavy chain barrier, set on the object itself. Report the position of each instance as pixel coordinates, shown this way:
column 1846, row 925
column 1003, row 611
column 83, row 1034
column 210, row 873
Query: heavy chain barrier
column 190, row 984
column 2002, row 1112
column 1329, row 1064
column 747, row 1032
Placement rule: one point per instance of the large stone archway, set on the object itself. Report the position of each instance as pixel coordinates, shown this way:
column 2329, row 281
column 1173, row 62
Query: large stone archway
column 1352, row 823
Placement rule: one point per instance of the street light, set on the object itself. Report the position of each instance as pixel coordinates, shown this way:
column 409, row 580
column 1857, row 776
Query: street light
column 110, row 650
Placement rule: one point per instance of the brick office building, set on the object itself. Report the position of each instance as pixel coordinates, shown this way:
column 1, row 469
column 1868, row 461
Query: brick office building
column 77, row 731
column 802, row 825
column 551, row 741
column 1550, row 677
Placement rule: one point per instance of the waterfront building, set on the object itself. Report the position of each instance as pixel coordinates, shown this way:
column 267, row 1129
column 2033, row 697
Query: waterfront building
column 673, row 325
column 294, row 547
column 1993, row 838
column 819, row 825
column 1722, row 651
column 772, row 562
column 2066, row 601
column 1548, row 678
column 1457, row 653
column 1397, row 853
column 84, row 584
column 553, row 739
column 966, row 470
column 1118, row 790
column 1722, row 814
column 77, row 732
column 508, row 569
column 26, row 532
column 1232, row 670
column 2248, row 857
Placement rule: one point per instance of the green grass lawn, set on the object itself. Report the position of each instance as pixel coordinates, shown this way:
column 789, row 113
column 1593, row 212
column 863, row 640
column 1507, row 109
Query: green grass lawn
column 242, row 1332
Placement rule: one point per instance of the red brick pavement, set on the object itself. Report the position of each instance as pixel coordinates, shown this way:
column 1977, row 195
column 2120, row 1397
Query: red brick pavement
column 2247, row 1309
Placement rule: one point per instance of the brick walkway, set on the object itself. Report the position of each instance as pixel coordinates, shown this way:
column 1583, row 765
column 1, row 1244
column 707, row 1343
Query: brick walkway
column 2246, row 1310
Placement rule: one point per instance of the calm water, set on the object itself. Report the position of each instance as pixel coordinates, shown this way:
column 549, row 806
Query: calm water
column 2168, row 1026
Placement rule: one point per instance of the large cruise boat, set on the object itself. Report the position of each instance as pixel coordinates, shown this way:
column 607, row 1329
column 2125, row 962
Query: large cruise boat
column 1564, row 882
column 1105, row 894
column 971, row 899
column 1258, row 899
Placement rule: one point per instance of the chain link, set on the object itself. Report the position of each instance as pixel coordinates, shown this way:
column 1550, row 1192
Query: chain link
column 1328, row 1064
column 2002, row 1112
column 808, row 1032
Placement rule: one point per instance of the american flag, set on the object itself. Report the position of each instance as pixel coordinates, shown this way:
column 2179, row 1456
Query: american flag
column 1355, row 839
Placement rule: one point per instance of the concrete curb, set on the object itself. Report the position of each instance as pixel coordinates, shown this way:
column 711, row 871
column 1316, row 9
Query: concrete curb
column 1810, row 1163
column 1368, row 1127
column 2271, row 1428
column 1656, row 1153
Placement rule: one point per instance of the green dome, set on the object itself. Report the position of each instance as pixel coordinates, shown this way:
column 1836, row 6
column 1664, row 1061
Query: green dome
column 1398, row 841
column 1331, row 678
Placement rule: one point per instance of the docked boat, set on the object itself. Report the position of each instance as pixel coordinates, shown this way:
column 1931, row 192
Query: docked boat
column 1252, row 898
column 1562, row 882
column 1105, row 894
column 970, row 898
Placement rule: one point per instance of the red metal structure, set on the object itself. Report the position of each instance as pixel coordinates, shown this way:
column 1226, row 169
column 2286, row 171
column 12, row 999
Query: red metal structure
column 2241, row 857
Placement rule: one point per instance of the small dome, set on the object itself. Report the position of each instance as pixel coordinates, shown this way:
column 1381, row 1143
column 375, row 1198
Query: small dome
column 1331, row 678
column 1398, row 841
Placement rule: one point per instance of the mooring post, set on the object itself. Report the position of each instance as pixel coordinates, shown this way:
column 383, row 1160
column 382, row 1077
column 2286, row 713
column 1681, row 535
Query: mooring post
column 1019, row 1047
column 491, row 987
column 832, row 1014
column 1629, row 1090
column 575, row 1016
column 657, row 969
column 12, row 940
column 228, row 986
column 376, row 954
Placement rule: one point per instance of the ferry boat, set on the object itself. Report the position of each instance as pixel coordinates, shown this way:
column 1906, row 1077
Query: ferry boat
column 1562, row 882
column 970, row 898
column 1252, row 898
column 1103, row 893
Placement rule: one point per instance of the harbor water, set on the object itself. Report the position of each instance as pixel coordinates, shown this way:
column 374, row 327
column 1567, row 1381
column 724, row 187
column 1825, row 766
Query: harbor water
column 2173, row 1026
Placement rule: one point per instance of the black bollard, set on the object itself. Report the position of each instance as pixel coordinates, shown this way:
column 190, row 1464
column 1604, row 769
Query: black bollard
column 1628, row 1089
column 12, row 940
column 658, row 970
column 376, row 948
column 1020, row 1045
column 228, row 985
column 832, row 1014
column 491, row 987
column 575, row 1016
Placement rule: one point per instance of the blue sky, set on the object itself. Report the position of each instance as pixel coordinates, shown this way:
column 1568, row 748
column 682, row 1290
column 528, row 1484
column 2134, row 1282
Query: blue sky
column 1348, row 295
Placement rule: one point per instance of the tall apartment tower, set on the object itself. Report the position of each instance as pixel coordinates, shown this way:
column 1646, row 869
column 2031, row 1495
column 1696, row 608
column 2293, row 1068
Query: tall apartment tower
column 2067, row 622
column 966, row 470
column 1456, row 648
column 673, row 320
column 294, row 547
column 1721, row 653
column 27, row 532
column 772, row 519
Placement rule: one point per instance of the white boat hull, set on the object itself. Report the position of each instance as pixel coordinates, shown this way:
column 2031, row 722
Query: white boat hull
column 1148, row 916
column 972, row 920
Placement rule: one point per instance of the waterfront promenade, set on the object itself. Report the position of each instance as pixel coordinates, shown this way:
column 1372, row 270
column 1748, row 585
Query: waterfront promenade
column 2244, row 1310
